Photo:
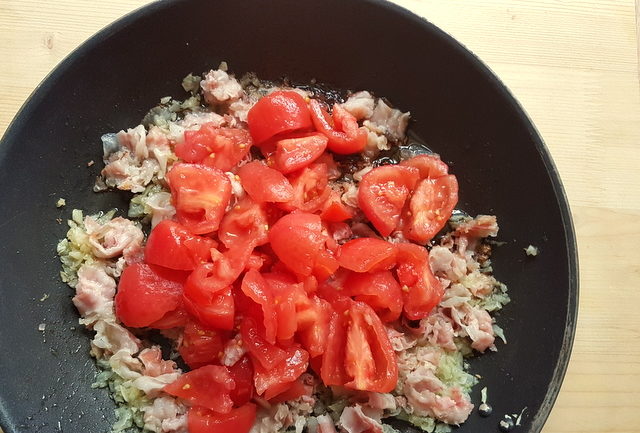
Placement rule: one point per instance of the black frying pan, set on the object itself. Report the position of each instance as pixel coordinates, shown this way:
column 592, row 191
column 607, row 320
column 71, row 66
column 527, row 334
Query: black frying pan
column 460, row 109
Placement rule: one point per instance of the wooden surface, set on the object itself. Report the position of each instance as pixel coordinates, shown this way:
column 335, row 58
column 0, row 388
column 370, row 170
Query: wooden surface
column 573, row 64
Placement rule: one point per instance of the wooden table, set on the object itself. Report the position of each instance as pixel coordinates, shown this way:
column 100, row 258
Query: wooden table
column 573, row 64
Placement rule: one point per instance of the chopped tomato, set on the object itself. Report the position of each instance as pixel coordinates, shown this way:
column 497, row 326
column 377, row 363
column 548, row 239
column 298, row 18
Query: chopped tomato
column 242, row 374
column 262, row 353
column 335, row 210
column 146, row 293
column 209, row 386
column 257, row 289
column 310, row 189
column 263, row 183
column 239, row 420
column 294, row 153
column 200, row 195
column 312, row 320
column 278, row 112
column 246, row 224
column 215, row 147
column 173, row 319
column 297, row 240
column 217, row 311
column 367, row 254
column 200, row 345
column 285, row 290
column 421, row 290
column 297, row 389
column 431, row 205
column 332, row 370
column 379, row 290
column 430, row 166
column 345, row 137
column 173, row 246
column 273, row 381
column 383, row 192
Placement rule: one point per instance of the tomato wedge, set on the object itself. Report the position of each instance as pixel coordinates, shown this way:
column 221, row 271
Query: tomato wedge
column 345, row 137
column 257, row 289
column 265, row 184
column 200, row 345
column 209, row 386
column 245, row 225
column 383, row 192
column 200, row 195
column 294, row 153
column 312, row 319
column 297, row 240
column 146, row 293
column 310, row 189
column 216, row 312
column 278, row 112
column 335, row 210
column 173, row 246
column 367, row 254
column 215, row 147
column 239, row 420
column 421, row 290
column 379, row 290
column 431, row 206
column 273, row 381
column 262, row 353
column 430, row 166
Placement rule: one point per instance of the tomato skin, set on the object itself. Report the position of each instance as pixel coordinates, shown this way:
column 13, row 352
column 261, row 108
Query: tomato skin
column 242, row 374
column 208, row 386
column 379, row 290
column 146, row 293
column 297, row 240
column 310, row 189
column 383, row 192
column 173, row 246
column 264, row 184
column 200, row 345
column 422, row 291
column 345, row 137
column 295, row 153
column 273, row 381
column 367, row 255
column 262, row 353
column 430, row 166
column 257, row 289
column 200, row 195
column 217, row 312
column 239, row 420
column 431, row 206
column 276, row 113
column 245, row 224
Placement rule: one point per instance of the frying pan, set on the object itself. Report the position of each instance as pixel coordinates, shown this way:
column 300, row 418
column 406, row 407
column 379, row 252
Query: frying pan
column 460, row 109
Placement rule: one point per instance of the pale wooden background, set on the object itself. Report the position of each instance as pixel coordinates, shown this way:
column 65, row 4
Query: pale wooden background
column 573, row 64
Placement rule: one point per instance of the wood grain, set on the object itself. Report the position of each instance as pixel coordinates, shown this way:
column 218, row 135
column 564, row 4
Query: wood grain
column 573, row 64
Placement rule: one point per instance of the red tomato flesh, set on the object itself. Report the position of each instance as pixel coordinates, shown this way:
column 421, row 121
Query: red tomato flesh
column 345, row 137
column 383, row 192
column 242, row 374
column 200, row 195
column 421, row 290
column 367, row 254
column 278, row 112
column 239, row 420
column 297, row 240
column 200, row 345
column 265, row 184
column 430, row 166
column 209, row 386
column 298, row 152
column 379, row 290
column 173, row 246
column 146, row 293
column 273, row 381
column 215, row 147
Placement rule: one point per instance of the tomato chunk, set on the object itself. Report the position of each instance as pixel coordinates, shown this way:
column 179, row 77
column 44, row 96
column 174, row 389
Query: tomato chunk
column 382, row 194
column 146, row 293
column 294, row 153
column 209, row 386
column 217, row 311
column 263, row 183
column 310, row 189
column 242, row 374
column 297, row 240
column 335, row 210
column 215, row 147
column 297, row 389
column 273, row 381
column 278, row 112
column 421, row 290
column 367, row 254
column 430, row 166
column 431, row 206
column 200, row 345
column 200, row 195
column 345, row 137
column 257, row 289
column 262, row 353
column 379, row 290
column 173, row 246
column 239, row 420
column 245, row 225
